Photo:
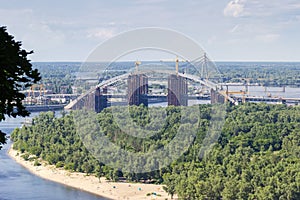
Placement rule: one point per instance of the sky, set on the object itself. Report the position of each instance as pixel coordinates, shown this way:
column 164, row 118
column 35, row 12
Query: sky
column 228, row 30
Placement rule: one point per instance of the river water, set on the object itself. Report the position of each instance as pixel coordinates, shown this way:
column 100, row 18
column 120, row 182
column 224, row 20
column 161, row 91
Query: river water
column 260, row 91
column 17, row 183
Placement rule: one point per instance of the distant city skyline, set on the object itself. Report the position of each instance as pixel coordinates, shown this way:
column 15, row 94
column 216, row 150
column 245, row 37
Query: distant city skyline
column 236, row 30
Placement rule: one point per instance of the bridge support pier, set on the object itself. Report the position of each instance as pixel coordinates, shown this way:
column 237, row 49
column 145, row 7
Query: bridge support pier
column 177, row 91
column 100, row 99
column 216, row 97
column 137, row 89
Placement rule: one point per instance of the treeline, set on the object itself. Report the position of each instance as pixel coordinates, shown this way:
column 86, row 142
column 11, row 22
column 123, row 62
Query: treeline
column 257, row 155
column 57, row 77
column 265, row 74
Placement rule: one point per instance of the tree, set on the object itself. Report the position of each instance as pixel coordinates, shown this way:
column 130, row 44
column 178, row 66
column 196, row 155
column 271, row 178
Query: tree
column 170, row 180
column 99, row 172
column 16, row 73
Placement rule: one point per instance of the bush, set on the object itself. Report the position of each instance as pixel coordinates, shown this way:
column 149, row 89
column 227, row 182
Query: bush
column 36, row 163
column 70, row 166
column 60, row 164
column 25, row 156
column 32, row 158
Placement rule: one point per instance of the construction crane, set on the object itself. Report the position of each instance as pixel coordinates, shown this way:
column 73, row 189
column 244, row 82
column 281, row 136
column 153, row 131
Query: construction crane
column 137, row 63
column 226, row 93
column 177, row 65
column 177, row 60
column 32, row 90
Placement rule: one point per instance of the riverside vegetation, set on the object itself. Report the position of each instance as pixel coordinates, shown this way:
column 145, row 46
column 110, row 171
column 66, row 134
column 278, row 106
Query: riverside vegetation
column 257, row 155
column 263, row 73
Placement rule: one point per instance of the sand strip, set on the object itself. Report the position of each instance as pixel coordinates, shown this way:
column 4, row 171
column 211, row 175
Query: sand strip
column 111, row 190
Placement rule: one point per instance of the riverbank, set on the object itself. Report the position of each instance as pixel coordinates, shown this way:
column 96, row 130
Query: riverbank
column 106, row 189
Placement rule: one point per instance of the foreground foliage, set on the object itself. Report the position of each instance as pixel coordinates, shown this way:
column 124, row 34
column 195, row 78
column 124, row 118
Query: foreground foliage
column 257, row 155
column 16, row 73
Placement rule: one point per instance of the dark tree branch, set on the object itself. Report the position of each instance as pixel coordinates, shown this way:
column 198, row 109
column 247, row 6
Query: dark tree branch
column 15, row 73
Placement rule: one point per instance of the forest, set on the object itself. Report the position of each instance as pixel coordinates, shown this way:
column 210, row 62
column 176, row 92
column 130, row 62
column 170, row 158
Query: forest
column 263, row 73
column 255, row 156
column 57, row 77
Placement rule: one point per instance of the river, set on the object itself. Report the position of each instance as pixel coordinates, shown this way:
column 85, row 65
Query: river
column 260, row 91
column 18, row 183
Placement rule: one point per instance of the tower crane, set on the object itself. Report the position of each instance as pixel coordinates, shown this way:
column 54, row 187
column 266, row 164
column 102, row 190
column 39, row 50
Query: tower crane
column 177, row 60
column 137, row 63
column 242, row 92
column 33, row 87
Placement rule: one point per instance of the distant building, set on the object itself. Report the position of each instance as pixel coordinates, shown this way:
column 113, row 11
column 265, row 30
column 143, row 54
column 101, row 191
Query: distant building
column 177, row 91
column 137, row 89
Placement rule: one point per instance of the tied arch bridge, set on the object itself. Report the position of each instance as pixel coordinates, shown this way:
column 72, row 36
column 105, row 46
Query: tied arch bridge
column 96, row 98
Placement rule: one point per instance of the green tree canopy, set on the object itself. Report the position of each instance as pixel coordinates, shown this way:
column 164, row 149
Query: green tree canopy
column 16, row 73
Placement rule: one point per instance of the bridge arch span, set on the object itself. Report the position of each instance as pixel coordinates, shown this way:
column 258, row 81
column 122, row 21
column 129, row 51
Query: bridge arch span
column 213, row 86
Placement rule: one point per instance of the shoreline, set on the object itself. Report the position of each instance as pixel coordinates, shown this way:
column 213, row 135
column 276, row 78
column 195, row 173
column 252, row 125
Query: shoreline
column 91, row 184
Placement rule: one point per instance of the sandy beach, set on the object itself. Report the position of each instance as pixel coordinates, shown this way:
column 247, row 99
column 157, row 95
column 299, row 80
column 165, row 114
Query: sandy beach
column 111, row 190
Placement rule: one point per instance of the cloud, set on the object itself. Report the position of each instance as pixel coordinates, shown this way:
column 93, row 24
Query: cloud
column 102, row 33
column 212, row 40
column 32, row 31
column 16, row 17
column 261, row 8
column 253, row 31
column 268, row 38
column 293, row 5
column 235, row 8
column 149, row 1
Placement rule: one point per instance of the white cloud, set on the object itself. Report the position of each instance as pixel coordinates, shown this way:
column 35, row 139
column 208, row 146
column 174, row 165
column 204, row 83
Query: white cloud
column 32, row 31
column 260, row 8
column 294, row 5
column 268, row 38
column 149, row 1
column 112, row 23
column 102, row 33
column 212, row 40
column 16, row 17
column 235, row 8
column 255, row 32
